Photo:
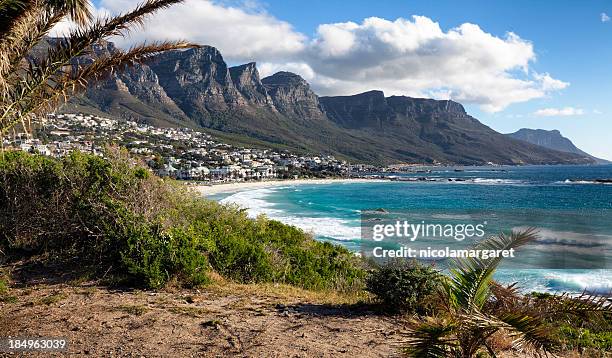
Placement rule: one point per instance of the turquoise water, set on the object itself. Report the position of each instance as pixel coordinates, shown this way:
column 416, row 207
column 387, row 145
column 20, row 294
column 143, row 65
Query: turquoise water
column 566, row 198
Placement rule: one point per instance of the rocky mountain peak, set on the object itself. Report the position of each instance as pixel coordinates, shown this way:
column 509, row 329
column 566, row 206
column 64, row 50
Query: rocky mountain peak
column 552, row 139
column 247, row 82
column 292, row 96
column 284, row 79
column 198, row 79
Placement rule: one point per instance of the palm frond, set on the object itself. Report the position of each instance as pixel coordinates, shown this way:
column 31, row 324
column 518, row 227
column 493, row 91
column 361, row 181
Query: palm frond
column 525, row 330
column 79, row 10
column 470, row 278
column 431, row 338
column 528, row 330
column 19, row 42
column 564, row 306
column 586, row 302
column 10, row 12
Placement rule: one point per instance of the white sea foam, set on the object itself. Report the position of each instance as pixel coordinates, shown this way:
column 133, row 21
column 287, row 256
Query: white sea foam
column 593, row 281
column 568, row 238
column 256, row 204
column 583, row 182
column 558, row 281
column 254, row 201
column 497, row 181
column 337, row 229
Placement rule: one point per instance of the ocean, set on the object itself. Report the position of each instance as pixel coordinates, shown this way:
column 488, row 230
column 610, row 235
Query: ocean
column 566, row 203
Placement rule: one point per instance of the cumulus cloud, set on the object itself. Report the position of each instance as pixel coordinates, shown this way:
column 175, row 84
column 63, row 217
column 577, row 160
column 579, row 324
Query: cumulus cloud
column 559, row 112
column 604, row 17
column 414, row 57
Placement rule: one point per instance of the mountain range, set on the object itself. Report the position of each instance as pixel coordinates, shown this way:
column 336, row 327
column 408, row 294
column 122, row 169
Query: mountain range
column 196, row 88
column 552, row 139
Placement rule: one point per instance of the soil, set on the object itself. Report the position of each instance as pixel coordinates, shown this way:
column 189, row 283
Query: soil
column 218, row 321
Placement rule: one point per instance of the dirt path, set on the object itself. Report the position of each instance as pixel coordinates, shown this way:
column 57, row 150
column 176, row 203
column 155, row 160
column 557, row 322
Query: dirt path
column 215, row 322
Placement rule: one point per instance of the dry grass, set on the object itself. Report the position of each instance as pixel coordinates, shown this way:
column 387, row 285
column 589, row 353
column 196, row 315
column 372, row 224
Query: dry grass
column 284, row 293
column 135, row 310
column 55, row 297
column 190, row 311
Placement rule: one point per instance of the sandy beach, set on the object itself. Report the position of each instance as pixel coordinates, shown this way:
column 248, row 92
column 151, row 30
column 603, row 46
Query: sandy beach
column 236, row 187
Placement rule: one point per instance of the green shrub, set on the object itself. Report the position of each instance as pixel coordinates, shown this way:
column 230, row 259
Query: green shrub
column 580, row 338
column 403, row 285
column 582, row 329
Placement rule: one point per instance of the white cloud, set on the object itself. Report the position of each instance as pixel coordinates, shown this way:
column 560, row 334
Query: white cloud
column 412, row 57
column 548, row 83
column 559, row 112
column 604, row 17
column 416, row 57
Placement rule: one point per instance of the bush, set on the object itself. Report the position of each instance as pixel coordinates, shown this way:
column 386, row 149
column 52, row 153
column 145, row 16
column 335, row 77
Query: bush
column 581, row 338
column 403, row 285
column 264, row 250
column 113, row 215
column 154, row 257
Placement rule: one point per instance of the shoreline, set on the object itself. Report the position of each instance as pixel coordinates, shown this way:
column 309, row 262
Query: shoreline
column 207, row 190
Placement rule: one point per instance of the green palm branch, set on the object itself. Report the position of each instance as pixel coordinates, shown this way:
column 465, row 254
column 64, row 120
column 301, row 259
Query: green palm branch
column 33, row 84
column 432, row 338
column 470, row 281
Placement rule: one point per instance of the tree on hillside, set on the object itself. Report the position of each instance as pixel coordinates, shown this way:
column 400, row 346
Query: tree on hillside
column 34, row 84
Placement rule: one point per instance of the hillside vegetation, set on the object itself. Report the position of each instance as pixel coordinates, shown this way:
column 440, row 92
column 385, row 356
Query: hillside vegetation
column 113, row 217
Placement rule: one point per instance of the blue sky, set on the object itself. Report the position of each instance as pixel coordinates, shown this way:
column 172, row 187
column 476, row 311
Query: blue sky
column 570, row 40
column 513, row 64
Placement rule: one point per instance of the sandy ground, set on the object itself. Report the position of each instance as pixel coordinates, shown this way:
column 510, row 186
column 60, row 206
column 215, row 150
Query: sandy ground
column 236, row 321
column 236, row 187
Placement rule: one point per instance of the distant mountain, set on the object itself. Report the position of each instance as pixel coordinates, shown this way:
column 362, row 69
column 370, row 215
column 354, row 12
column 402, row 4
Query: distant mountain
column 553, row 140
column 196, row 88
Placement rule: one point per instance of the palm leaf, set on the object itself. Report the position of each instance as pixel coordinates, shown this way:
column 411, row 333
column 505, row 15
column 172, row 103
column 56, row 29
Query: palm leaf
column 584, row 303
column 431, row 338
column 470, row 278
column 527, row 331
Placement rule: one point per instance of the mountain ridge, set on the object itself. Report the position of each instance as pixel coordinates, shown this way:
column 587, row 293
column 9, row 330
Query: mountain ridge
column 552, row 139
column 197, row 88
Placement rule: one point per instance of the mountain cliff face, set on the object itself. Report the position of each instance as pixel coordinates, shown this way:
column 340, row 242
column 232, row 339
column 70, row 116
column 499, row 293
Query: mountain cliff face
column 196, row 88
column 247, row 82
column 292, row 96
column 551, row 139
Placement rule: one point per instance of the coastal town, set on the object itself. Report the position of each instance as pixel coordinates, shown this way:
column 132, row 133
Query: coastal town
column 180, row 153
